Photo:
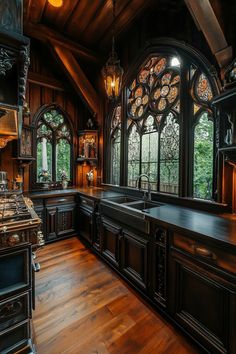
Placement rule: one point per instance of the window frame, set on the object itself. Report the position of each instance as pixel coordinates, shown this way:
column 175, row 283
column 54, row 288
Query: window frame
column 34, row 184
column 188, row 55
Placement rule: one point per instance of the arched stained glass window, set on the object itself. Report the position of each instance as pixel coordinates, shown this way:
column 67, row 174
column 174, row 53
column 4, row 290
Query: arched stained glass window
column 115, row 139
column 53, row 141
column 152, row 96
column 169, row 127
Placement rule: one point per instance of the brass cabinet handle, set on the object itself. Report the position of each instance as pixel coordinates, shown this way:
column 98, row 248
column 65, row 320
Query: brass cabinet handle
column 204, row 252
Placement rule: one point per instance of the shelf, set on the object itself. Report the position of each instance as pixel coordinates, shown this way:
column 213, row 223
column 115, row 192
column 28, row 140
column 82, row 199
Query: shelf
column 226, row 100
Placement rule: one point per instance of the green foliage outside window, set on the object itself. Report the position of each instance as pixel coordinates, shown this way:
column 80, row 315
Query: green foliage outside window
column 203, row 156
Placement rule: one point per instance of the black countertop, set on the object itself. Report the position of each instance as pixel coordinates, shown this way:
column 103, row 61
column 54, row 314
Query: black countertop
column 197, row 222
column 92, row 192
column 220, row 228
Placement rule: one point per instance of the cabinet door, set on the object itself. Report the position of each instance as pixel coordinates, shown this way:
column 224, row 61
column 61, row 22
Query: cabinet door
column 40, row 212
column 110, row 235
column 134, row 259
column 66, row 220
column 86, row 224
column 204, row 304
column 51, row 223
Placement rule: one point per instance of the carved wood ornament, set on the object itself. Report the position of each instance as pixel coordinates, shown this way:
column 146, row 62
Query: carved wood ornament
column 7, row 60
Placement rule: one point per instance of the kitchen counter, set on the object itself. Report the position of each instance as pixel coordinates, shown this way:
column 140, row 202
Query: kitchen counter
column 202, row 224
column 92, row 192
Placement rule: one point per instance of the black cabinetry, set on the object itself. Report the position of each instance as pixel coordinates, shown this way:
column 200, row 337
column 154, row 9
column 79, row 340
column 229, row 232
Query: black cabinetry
column 203, row 297
column 15, row 298
column 58, row 216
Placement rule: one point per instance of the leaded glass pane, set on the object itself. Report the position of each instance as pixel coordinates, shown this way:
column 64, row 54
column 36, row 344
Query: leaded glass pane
column 203, row 88
column 133, row 156
column 169, row 156
column 54, row 139
column 53, row 118
column 203, row 158
column 115, row 158
column 149, row 159
column 44, row 160
column 63, row 154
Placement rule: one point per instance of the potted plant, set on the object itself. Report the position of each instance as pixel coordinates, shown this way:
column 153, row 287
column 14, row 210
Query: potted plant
column 45, row 177
column 64, row 180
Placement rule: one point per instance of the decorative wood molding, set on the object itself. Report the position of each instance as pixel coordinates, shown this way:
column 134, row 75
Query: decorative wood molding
column 24, row 65
column 46, row 34
column 7, row 60
column 206, row 20
column 77, row 77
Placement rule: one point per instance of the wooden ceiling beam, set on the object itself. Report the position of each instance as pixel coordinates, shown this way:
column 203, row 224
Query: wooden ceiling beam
column 45, row 81
column 46, row 34
column 76, row 76
column 206, row 20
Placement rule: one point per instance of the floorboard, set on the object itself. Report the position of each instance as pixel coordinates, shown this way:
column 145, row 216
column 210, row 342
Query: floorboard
column 83, row 307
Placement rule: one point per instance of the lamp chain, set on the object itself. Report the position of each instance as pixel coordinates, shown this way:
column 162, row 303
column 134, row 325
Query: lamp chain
column 113, row 26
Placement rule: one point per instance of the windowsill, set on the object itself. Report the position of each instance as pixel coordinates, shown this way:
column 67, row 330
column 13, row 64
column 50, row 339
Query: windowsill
column 199, row 204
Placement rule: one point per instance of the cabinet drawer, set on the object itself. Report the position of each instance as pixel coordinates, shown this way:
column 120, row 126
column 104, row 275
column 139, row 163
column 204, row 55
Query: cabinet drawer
column 14, row 310
column 87, row 203
column 210, row 254
column 14, row 336
column 56, row 201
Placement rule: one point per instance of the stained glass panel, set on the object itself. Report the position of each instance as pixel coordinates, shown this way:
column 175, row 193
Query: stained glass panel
column 133, row 156
column 203, row 158
column 115, row 158
column 203, row 88
column 53, row 118
column 54, row 139
column 169, row 156
column 149, row 159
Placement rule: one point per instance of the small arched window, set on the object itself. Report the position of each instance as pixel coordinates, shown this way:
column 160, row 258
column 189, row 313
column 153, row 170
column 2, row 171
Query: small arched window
column 53, row 146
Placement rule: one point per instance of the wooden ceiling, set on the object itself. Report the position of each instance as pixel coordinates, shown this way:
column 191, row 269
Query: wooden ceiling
column 88, row 22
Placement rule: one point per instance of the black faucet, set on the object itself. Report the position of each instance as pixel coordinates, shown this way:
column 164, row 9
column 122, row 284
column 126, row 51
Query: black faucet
column 147, row 195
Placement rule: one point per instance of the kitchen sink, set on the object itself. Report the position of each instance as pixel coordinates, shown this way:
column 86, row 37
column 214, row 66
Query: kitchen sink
column 122, row 199
column 143, row 205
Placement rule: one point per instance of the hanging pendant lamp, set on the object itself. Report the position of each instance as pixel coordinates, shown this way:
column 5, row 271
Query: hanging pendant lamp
column 112, row 72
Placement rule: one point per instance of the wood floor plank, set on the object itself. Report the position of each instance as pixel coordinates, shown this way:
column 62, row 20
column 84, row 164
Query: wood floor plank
column 83, row 307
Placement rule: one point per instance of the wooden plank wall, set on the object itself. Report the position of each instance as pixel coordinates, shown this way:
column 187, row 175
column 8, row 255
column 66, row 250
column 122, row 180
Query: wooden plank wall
column 36, row 96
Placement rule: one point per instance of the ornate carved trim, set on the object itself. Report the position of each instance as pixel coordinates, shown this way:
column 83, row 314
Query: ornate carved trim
column 230, row 75
column 7, row 60
column 24, row 66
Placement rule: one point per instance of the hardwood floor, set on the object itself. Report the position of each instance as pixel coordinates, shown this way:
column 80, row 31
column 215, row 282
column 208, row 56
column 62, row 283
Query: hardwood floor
column 82, row 306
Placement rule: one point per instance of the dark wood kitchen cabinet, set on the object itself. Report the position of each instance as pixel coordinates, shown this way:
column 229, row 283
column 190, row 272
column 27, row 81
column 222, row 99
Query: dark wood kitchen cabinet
column 203, row 296
column 111, row 234
column 134, row 258
column 87, row 220
column 15, row 298
column 58, row 216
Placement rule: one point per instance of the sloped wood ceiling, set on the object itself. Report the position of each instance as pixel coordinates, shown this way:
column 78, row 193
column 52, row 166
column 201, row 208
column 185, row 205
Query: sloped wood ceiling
column 88, row 22
column 84, row 27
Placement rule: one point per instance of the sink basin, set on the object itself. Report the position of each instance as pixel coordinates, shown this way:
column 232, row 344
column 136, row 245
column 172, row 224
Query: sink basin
column 143, row 205
column 122, row 199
